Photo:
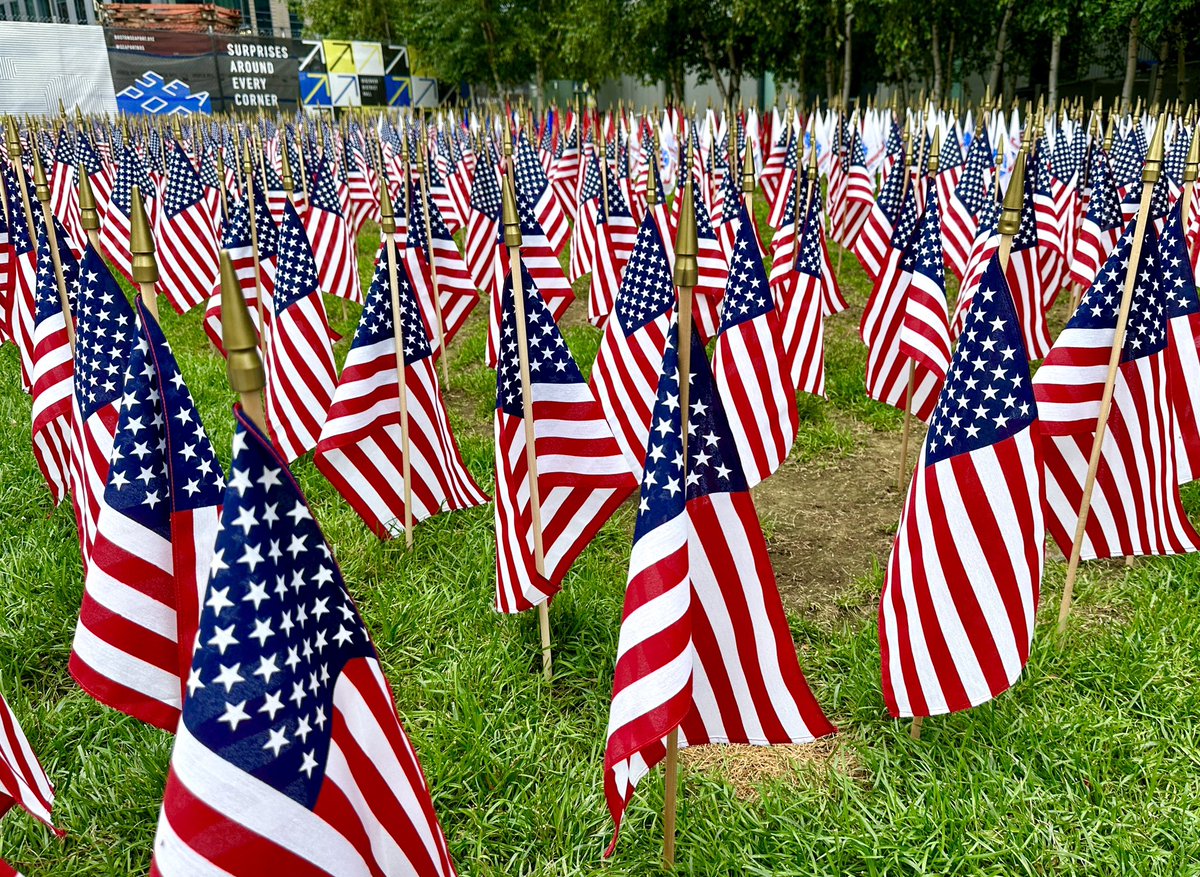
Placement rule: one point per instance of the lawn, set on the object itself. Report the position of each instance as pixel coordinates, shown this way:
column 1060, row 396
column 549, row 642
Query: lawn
column 1091, row 765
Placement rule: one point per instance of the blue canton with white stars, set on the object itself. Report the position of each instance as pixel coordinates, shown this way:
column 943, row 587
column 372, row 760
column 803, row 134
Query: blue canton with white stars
column 810, row 257
column 296, row 276
column 276, row 630
column 157, row 466
column 906, row 223
column 322, row 194
column 376, row 322
column 104, row 332
column 184, row 188
column 971, row 190
column 713, row 465
column 647, row 288
column 1178, row 284
column 47, row 301
column 1026, row 237
column 550, row 361
column 130, row 173
column 892, row 190
column 988, row 396
column 1128, row 157
column 590, row 190
column 485, row 193
column 264, row 224
column 1104, row 207
column 924, row 253
column 531, row 182
column 1176, row 161
column 18, row 228
column 747, row 294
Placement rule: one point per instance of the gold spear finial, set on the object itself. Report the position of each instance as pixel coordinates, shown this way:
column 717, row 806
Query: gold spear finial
column 935, row 149
column 243, row 364
column 40, row 186
column 1014, row 198
column 1110, row 133
column 812, row 165
column 1192, row 170
column 89, row 218
column 1154, row 158
column 287, row 165
column 652, row 175
column 747, row 168
column 141, row 241
column 509, row 215
column 387, row 215
column 12, row 141
column 687, row 271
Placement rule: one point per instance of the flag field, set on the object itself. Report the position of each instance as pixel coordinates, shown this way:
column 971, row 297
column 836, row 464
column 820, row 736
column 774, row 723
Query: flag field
column 1087, row 767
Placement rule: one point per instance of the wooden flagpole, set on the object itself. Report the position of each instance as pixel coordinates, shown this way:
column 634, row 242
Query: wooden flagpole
column 387, row 224
column 1150, row 175
column 426, row 206
column 141, row 247
column 912, row 366
column 512, row 239
column 1191, row 171
column 244, row 365
column 686, row 278
column 42, row 192
column 248, row 168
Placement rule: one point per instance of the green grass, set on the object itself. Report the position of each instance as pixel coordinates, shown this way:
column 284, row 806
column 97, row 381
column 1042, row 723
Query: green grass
column 1091, row 765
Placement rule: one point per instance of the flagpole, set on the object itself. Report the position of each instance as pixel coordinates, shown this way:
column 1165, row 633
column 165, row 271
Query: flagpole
column 89, row 217
column 1150, row 175
column 512, row 240
column 426, row 206
column 42, row 192
column 1191, row 171
column 686, row 278
column 243, row 365
column 387, row 225
column 252, row 209
column 912, row 364
column 14, row 153
column 141, row 247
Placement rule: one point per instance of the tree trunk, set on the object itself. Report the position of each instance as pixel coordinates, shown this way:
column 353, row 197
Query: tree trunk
column 847, row 56
column 1181, row 80
column 1130, row 65
column 950, row 66
column 1160, row 73
column 998, row 56
column 935, row 93
column 830, row 70
column 1052, row 84
column 714, row 71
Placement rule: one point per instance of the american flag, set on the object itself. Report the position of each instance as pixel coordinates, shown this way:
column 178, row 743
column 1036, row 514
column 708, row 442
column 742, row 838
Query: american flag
column 1025, row 276
column 956, row 617
column 301, row 374
column 749, row 364
column 1102, row 224
column 458, row 175
column 712, row 267
column 1183, row 358
column 873, row 243
column 328, row 232
column 784, row 202
column 860, row 193
column 99, row 173
column 925, row 329
column 116, row 231
column 361, row 447
column 154, row 542
column 441, row 195
column 1051, row 227
column 808, row 294
column 564, row 170
column 582, row 476
column 960, row 211
column 6, row 274
column 237, row 241
column 704, row 646
column 104, row 333
column 1135, row 505
column 483, row 244
column 536, row 198
column 456, row 292
column 625, row 373
column 188, row 246
column 616, row 233
column 776, row 158
column 289, row 756
column 64, row 189
column 53, row 372
column 987, row 242
column 363, row 182
column 22, row 779
column 23, row 272
column 587, row 213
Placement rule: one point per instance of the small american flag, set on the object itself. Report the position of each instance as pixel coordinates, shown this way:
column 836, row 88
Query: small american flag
column 808, row 294
column 873, row 243
column 536, row 198
column 752, row 374
column 987, row 242
column 961, row 209
column 154, row 542
column 236, row 240
column 616, row 233
column 581, row 474
column 565, row 170
column 116, row 232
column 1183, row 356
column 925, row 329
column 104, row 334
column 64, row 188
column 289, row 757
column 22, row 779
column 23, row 273
column 956, row 616
column 1102, row 224
column 587, row 215
column 456, row 292
column 483, row 245
column 6, row 276
column 301, row 374
column 328, row 233
column 704, row 645
column 860, row 193
column 188, row 246
column 361, row 447
column 625, row 373
column 1025, row 276
column 53, row 372
column 1135, row 505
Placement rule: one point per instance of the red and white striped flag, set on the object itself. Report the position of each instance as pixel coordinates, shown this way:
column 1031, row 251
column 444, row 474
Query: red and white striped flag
column 962, row 208
column 873, row 243
column 860, row 193
column 301, row 374
column 616, row 233
column 289, row 756
column 483, row 245
column 704, row 647
column 581, row 474
column 584, row 234
column 22, row 779
column 154, row 542
column 361, row 447
column 6, row 274
column 53, row 372
column 22, row 272
column 925, row 328
column 116, row 231
column 103, row 342
column 536, row 197
column 625, row 373
column 956, row 617
column 749, row 364
column 328, row 232
column 237, row 241
column 1135, row 505
column 1102, row 224
column 456, row 292
column 188, row 245
column 1183, row 354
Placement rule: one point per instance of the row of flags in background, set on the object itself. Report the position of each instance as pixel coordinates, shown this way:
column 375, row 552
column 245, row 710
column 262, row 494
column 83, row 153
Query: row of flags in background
column 213, row 607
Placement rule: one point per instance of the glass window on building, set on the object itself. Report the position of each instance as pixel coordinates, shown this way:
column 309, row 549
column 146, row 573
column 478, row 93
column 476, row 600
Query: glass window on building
column 81, row 9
